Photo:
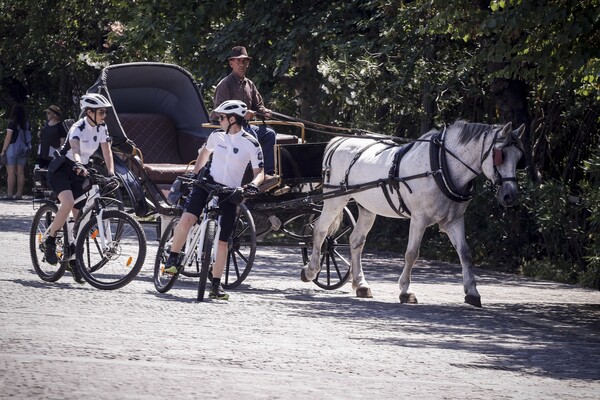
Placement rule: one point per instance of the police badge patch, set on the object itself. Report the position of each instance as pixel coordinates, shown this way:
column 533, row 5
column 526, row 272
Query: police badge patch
column 235, row 150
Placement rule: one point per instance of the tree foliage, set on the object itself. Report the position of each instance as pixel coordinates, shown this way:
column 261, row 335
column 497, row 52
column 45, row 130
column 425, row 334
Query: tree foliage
column 394, row 66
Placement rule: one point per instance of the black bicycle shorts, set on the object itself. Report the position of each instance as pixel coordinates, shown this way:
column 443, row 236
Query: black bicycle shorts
column 196, row 202
column 64, row 178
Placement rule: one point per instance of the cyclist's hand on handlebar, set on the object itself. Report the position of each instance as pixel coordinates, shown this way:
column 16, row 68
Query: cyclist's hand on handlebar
column 251, row 189
column 80, row 169
column 190, row 175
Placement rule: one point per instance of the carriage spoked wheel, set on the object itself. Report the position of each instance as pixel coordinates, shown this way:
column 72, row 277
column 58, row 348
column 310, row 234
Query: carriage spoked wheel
column 241, row 249
column 335, row 252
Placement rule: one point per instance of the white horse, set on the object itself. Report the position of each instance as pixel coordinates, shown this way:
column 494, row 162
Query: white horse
column 428, row 181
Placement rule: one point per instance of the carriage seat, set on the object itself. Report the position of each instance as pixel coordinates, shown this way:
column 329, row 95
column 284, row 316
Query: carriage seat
column 166, row 152
column 282, row 138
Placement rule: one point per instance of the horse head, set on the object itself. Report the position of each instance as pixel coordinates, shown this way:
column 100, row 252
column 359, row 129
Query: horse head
column 503, row 160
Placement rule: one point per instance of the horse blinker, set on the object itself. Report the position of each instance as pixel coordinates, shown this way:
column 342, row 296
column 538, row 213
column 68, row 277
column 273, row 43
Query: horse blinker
column 498, row 157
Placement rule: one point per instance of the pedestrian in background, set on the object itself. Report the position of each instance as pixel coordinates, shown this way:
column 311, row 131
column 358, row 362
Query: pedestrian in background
column 52, row 136
column 16, row 148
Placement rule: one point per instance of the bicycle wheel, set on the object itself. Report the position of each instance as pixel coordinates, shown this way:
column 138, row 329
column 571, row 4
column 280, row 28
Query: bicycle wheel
column 164, row 282
column 206, row 257
column 335, row 252
column 109, row 256
column 39, row 230
column 241, row 249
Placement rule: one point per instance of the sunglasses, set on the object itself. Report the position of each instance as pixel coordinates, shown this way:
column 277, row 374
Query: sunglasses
column 222, row 117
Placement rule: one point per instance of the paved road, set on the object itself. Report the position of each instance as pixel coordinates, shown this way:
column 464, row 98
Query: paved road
column 279, row 338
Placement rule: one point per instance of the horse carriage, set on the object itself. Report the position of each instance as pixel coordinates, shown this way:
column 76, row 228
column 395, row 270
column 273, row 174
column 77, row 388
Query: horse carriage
column 159, row 121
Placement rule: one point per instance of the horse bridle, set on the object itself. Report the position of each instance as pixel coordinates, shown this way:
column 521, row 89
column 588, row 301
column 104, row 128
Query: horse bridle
column 498, row 157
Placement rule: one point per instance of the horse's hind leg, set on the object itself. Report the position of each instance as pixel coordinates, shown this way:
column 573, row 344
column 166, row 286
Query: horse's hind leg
column 332, row 210
column 415, row 236
column 357, row 243
column 456, row 232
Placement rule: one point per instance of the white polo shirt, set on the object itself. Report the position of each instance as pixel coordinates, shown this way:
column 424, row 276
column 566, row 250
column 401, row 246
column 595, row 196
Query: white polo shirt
column 89, row 138
column 231, row 155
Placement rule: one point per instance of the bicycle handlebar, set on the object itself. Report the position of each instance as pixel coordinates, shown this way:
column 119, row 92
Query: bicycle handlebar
column 107, row 183
column 216, row 188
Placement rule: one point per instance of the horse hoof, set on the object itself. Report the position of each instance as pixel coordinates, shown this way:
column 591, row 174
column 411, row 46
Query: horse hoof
column 409, row 298
column 303, row 276
column 473, row 300
column 364, row 292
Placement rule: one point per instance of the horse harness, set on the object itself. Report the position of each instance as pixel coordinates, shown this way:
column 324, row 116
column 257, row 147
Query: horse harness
column 438, row 159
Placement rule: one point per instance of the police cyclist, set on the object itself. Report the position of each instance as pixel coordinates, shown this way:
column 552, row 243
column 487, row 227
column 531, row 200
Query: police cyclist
column 232, row 148
column 67, row 174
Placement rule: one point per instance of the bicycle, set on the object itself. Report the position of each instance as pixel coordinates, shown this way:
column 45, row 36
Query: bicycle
column 202, row 241
column 107, row 246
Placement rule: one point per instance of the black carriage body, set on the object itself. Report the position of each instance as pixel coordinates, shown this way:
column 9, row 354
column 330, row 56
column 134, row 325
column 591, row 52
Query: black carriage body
column 156, row 127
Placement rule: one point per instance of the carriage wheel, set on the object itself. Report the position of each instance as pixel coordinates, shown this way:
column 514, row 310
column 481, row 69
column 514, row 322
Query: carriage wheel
column 335, row 252
column 242, row 249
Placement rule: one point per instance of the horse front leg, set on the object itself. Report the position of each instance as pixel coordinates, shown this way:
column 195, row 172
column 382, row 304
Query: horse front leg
column 415, row 236
column 456, row 232
column 357, row 242
column 332, row 210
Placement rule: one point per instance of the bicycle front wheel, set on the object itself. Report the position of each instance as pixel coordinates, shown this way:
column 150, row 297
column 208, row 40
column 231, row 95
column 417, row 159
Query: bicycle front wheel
column 241, row 249
column 206, row 256
column 111, row 253
column 37, row 236
column 164, row 282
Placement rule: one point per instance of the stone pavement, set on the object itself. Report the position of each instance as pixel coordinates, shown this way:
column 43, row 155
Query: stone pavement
column 279, row 338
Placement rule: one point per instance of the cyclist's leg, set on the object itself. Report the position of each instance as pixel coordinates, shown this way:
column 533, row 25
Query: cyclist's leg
column 220, row 260
column 181, row 231
column 191, row 211
column 67, row 186
column 227, row 225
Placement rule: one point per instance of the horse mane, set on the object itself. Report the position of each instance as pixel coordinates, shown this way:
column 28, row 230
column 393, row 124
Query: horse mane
column 466, row 131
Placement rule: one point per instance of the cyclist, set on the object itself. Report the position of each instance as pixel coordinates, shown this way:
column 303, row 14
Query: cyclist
column 67, row 172
column 232, row 148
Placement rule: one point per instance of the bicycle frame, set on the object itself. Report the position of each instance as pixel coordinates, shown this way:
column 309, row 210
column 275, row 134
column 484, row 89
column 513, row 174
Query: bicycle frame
column 194, row 238
column 93, row 199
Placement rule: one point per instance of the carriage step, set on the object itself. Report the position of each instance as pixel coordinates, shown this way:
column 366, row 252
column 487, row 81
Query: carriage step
column 269, row 183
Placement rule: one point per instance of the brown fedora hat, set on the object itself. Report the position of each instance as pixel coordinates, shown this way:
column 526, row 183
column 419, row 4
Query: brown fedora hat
column 54, row 109
column 238, row 52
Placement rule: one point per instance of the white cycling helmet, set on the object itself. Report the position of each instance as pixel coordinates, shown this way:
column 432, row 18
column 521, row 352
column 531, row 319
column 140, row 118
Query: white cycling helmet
column 93, row 101
column 236, row 107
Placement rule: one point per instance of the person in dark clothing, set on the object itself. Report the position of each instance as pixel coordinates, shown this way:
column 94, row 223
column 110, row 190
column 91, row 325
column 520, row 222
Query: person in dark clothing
column 52, row 136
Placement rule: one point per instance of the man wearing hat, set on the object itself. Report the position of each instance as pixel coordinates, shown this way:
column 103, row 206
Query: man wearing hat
column 52, row 136
column 236, row 86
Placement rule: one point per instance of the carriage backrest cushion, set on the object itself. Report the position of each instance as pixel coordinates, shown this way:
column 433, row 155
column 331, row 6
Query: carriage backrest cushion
column 155, row 135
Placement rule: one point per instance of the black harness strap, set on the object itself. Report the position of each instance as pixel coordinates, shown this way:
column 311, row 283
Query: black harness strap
column 326, row 172
column 437, row 157
column 394, row 182
column 357, row 156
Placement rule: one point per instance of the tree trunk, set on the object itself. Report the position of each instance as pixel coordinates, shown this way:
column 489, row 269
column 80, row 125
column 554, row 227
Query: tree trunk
column 510, row 97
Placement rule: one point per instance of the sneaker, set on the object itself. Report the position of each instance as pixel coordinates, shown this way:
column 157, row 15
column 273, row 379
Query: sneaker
column 217, row 293
column 172, row 266
column 50, row 251
column 72, row 267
